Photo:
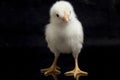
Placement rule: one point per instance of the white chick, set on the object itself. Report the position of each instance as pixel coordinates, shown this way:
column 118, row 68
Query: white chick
column 64, row 34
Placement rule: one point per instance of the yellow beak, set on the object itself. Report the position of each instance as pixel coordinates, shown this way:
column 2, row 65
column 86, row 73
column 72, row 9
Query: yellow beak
column 65, row 17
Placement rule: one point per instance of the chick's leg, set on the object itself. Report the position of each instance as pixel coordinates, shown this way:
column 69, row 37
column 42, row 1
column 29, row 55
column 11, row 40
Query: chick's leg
column 53, row 69
column 76, row 72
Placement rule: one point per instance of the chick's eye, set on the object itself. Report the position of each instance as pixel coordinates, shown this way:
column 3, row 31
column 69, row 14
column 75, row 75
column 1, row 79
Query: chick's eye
column 57, row 15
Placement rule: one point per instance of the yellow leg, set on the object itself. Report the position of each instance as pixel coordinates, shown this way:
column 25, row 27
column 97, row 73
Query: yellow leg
column 76, row 72
column 52, row 70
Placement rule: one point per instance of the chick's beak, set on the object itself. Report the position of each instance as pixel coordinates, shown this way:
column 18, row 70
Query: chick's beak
column 65, row 17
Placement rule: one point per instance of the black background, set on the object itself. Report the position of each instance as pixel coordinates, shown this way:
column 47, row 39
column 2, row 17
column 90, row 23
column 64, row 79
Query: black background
column 24, row 50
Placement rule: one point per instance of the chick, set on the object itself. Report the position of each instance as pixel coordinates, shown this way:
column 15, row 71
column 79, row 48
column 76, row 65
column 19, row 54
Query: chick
column 64, row 34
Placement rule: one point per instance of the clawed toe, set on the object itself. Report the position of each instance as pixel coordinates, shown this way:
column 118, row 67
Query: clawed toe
column 76, row 73
column 50, row 71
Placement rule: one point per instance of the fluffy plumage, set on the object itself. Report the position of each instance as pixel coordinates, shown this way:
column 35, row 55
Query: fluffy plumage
column 61, row 36
column 64, row 34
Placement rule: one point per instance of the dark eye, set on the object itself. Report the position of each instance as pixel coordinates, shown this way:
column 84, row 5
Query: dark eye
column 57, row 15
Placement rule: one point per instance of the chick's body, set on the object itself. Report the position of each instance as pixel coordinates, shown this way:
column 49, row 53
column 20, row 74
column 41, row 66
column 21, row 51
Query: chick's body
column 66, row 38
column 64, row 34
